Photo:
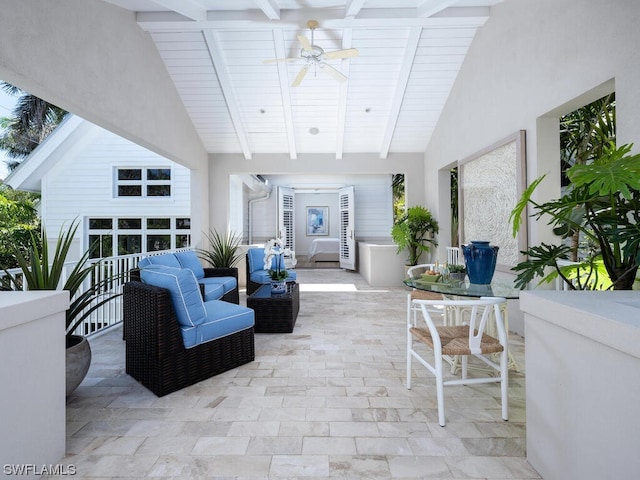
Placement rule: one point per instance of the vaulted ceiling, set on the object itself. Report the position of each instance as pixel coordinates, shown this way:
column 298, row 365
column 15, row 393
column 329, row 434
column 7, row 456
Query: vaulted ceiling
column 409, row 53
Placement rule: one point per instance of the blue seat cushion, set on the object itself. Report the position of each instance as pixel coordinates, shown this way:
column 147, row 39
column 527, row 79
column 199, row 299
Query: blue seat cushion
column 228, row 283
column 223, row 318
column 212, row 291
column 190, row 260
column 183, row 289
column 167, row 260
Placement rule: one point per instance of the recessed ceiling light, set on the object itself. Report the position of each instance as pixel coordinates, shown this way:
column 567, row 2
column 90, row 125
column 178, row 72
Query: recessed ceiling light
column 367, row 109
column 314, row 130
column 262, row 110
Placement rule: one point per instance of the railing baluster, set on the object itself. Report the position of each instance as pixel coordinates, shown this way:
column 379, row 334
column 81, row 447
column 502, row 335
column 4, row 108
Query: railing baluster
column 110, row 313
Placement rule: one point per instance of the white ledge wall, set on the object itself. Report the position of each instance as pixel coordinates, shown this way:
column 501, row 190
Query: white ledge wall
column 582, row 363
column 32, row 376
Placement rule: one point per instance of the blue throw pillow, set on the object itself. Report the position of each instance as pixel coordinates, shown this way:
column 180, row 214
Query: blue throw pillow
column 167, row 260
column 191, row 261
column 184, row 290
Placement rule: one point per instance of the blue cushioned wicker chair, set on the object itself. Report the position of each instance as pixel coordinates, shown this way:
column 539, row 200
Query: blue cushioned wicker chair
column 256, row 274
column 174, row 338
column 216, row 283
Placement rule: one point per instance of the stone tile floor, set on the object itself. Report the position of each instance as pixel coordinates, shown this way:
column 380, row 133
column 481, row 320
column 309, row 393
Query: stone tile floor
column 327, row 401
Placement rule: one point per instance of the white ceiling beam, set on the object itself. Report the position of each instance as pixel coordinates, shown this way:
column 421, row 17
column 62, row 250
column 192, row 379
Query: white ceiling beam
column 285, row 92
column 353, row 7
column 368, row 18
column 401, row 87
column 227, row 91
column 270, row 8
column 186, row 8
column 347, row 40
column 431, row 7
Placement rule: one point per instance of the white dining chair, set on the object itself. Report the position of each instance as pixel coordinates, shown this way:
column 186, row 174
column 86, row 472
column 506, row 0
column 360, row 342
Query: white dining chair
column 454, row 256
column 464, row 341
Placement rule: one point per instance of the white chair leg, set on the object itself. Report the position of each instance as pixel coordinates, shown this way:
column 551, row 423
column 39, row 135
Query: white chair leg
column 504, row 384
column 464, row 361
column 409, row 365
column 440, row 388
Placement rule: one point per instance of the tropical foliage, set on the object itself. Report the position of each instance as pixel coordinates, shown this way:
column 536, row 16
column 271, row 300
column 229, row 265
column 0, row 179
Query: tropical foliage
column 41, row 271
column 31, row 121
column 415, row 231
column 18, row 219
column 602, row 205
column 223, row 249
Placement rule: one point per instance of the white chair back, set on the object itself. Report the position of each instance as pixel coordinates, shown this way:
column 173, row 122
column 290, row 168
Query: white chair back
column 454, row 256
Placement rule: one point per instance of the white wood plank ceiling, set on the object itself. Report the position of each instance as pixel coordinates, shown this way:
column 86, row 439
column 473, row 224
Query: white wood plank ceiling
column 410, row 52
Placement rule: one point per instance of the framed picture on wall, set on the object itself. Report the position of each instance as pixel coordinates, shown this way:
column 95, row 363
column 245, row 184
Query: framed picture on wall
column 317, row 220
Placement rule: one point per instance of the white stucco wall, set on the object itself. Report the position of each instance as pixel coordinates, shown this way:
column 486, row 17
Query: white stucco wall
column 531, row 62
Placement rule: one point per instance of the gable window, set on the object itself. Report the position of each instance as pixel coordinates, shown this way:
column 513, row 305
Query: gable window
column 126, row 235
column 143, row 182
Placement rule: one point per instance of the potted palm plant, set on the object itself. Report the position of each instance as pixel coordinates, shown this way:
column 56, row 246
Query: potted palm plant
column 415, row 231
column 40, row 271
column 602, row 205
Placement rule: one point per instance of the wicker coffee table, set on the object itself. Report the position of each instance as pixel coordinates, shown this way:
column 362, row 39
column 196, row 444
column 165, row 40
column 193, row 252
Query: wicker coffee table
column 275, row 314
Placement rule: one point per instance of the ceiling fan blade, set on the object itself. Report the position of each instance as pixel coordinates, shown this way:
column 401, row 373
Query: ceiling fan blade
column 276, row 60
column 333, row 72
column 298, row 80
column 306, row 44
column 347, row 53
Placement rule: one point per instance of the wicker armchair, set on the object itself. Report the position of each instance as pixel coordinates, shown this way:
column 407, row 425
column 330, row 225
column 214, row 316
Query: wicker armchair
column 232, row 296
column 155, row 352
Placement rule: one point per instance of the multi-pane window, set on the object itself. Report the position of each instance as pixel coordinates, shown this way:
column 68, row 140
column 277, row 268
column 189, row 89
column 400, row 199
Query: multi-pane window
column 143, row 182
column 125, row 235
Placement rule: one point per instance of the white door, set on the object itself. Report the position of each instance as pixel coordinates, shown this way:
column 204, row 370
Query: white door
column 286, row 230
column 347, row 228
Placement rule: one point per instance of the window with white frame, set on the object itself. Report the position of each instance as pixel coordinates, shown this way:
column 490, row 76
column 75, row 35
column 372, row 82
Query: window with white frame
column 142, row 182
column 125, row 235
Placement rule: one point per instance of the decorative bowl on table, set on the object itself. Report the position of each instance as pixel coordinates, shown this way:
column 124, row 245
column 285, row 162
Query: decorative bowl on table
column 430, row 277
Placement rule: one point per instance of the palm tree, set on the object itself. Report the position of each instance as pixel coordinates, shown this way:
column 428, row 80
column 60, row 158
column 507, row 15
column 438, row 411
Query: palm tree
column 32, row 120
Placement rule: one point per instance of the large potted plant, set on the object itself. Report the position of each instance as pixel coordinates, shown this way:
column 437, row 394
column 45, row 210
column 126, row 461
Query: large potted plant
column 602, row 206
column 40, row 271
column 415, row 231
column 223, row 251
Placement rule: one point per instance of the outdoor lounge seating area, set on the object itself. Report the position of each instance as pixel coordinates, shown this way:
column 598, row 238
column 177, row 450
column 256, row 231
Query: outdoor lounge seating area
column 327, row 401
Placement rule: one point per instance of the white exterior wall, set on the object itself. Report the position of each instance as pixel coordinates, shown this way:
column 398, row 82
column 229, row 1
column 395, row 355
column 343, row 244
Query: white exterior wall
column 81, row 185
column 531, row 62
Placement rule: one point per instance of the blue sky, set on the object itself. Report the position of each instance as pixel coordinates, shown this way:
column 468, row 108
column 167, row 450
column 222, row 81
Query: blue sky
column 6, row 105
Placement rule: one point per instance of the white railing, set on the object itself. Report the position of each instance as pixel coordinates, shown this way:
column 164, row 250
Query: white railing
column 110, row 313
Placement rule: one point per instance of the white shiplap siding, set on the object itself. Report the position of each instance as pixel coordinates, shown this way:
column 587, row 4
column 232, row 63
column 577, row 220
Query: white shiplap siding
column 80, row 184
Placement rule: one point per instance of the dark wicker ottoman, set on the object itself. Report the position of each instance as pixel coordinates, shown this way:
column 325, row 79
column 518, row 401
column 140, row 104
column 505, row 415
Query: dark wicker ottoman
column 275, row 314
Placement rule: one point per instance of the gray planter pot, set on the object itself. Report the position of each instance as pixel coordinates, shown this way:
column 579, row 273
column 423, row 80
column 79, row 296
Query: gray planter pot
column 78, row 360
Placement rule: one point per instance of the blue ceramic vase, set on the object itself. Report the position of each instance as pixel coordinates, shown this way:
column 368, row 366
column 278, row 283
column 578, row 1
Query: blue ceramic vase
column 480, row 258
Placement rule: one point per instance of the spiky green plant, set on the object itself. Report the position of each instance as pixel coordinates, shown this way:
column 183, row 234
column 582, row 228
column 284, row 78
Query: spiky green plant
column 223, row 249
column 40, row 271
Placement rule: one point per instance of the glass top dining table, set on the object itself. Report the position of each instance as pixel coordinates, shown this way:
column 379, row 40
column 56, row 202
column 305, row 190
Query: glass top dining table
column 499, row 287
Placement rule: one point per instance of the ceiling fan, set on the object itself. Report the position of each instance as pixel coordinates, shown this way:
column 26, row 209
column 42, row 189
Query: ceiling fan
column 315, row 56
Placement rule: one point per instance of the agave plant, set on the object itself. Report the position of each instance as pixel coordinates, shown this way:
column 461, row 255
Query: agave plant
column 40, row 271
column 223, row 250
